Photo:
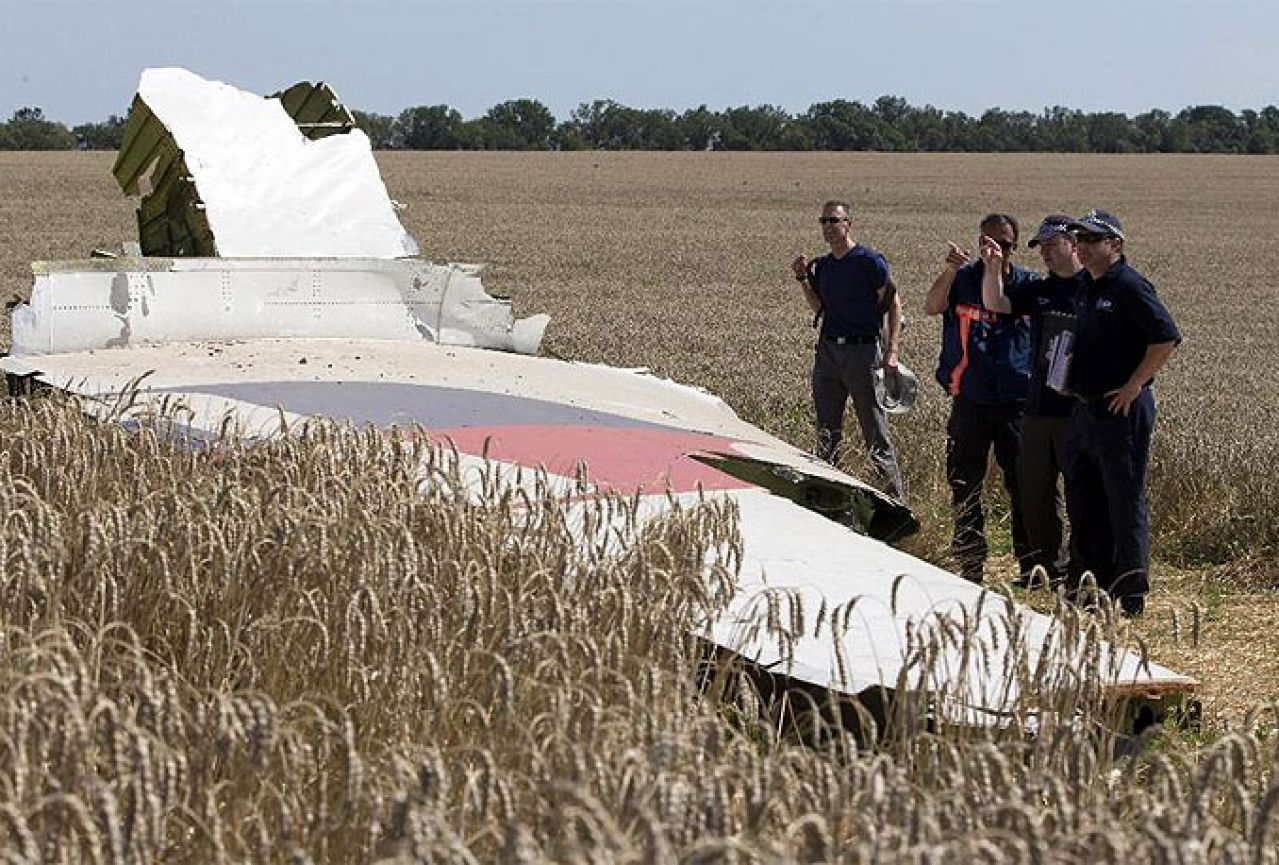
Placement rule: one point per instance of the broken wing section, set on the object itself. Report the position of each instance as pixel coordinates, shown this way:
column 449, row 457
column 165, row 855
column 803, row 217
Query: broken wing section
column 117, row 303
column 234, row 174
column 171, row 216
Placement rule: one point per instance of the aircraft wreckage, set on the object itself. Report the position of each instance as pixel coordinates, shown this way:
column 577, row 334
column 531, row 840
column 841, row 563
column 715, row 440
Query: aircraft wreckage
column 273, row 282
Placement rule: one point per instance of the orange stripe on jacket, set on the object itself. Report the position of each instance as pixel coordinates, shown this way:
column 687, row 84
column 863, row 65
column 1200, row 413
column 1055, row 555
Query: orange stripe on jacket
column 967, row 314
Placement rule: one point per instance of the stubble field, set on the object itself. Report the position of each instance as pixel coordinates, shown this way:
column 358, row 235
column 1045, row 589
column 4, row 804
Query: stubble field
column 679, row 263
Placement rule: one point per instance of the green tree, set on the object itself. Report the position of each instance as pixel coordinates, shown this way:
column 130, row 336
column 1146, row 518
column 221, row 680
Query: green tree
column 608, row 125
column 100, row 136
column 1111, row 132
column 1214, row 129
column 429, row 127
column 700, row 128
column 1153, row 127
column 380, row 128
column 1063, row 130
column 519, row 124
column 894, row 119
column 29, row 130
column 1263, row 130
column 754, row 128
column 844, row 125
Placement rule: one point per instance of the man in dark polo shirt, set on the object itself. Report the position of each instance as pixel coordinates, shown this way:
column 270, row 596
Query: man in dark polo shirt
column 850, row 289
column 985, row 368
column 1123, row 336
column 1050, row 302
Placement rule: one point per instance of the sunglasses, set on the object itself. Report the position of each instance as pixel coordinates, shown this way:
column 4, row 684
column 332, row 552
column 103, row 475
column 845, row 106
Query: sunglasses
column 1004, row 245
column 832, row 220
column 1091, row 237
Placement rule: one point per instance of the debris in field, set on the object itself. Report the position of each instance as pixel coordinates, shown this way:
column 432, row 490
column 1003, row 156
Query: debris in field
column 234, row 175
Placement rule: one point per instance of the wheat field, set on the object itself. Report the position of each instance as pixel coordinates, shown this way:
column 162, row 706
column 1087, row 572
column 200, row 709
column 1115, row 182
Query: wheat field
column 296, row 654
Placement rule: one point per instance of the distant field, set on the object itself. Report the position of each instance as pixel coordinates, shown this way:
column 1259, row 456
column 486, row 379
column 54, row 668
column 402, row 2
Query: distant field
column 299, row 652
column 678, row 262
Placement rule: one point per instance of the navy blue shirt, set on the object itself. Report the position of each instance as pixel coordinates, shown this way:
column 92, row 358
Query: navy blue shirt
column 1117, row 317
column 849, row 290
column 1036, row 296
column 985, row 355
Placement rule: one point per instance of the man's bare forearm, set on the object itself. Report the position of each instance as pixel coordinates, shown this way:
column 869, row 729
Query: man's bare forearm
column 894, row 328
column 938, row 297
column 992, row 288
column 1156, row 356
column 810, row 295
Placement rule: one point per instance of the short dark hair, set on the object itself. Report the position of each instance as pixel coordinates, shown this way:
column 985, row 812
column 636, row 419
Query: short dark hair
column 1001, row 219
column 834, row 203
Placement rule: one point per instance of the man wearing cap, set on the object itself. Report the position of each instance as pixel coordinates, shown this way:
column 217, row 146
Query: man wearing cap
column 850, row 290
column 1123, row 336
column 1050, row 302
column 985, row 368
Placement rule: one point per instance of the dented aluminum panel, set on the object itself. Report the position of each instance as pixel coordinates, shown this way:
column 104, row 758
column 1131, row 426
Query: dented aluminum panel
column 120, row 302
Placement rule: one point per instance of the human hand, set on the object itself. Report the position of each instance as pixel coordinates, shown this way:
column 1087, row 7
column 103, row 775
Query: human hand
column 800, row 267
column 991, row 252
column 1118, row 401
column 956, row 256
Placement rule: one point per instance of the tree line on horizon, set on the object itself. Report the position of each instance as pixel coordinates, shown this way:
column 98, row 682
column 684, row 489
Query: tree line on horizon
column 890, row 123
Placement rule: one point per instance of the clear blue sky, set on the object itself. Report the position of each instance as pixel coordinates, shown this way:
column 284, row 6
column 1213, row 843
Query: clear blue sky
column 80, row 61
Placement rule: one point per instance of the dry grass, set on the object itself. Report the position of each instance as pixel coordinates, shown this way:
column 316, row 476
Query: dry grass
column 311, row 651
column 676, row 262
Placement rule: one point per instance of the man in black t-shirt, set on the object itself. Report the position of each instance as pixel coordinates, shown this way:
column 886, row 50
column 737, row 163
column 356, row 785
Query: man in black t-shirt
column 851, row 290
column 1050, row 302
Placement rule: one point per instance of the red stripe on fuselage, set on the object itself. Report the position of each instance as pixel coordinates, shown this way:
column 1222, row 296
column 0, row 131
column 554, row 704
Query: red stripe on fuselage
column 625, row 460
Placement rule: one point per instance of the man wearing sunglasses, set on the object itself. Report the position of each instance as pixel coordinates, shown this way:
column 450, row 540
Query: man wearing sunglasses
column 850, row 291
column 985, row 368
column 1049, row 300
column 1123, row 336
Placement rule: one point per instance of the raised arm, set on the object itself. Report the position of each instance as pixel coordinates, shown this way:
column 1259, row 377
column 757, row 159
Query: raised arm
column 992, row 279
column 938, row 297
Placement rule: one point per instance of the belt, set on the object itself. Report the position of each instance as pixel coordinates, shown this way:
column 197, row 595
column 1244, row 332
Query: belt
column 859, row 339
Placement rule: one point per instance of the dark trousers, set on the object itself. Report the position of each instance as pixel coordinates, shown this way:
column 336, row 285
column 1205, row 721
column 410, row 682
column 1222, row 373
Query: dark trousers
column 972, row 432
column 841, row 372
column 1040, row 466
column 1106, row 457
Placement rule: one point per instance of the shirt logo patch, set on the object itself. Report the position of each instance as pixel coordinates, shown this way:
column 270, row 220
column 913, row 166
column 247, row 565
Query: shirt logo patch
column 1104, row 304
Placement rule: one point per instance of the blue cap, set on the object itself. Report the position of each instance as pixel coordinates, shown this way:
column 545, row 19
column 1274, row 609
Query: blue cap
column 1053, row 224
column 1099, row 222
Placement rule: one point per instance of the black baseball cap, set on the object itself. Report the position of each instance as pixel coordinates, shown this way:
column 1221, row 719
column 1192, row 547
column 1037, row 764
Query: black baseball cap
column 1099, row 222
column 1053, row 224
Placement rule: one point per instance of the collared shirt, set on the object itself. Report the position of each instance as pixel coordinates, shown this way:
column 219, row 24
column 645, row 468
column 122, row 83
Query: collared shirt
column 1117, row 317
column 1035, row 297
column 985, row 355
column 849, row 290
